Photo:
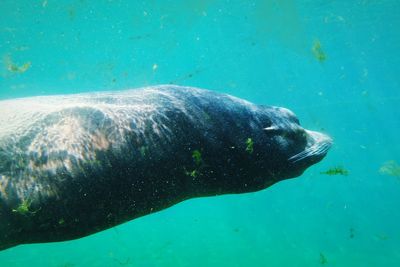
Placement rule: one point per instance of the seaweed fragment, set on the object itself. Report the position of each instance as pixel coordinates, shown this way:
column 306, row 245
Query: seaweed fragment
column 351, row 233
column 198, row 161
column 143, row 151
column 14, row 67
column 25, row 208
column 193, row 173
column 196, row 155
column 391, row 168
column 249, row 145
column 123, row 263
column 319, row 54
column 381, row 237
column 322, row 259
column 336, row 171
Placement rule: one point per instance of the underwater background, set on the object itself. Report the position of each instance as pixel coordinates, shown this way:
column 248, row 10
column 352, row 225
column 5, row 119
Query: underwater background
column 334, row 63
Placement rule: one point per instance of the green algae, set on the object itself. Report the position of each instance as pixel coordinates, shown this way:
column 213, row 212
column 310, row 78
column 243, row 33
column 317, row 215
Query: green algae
column 196, row 155
column 20, row 69
column 336, row 171
column 318, row 53
column 249, row 145
column 351, row 233
column 24, row 208
column 194, row 173
column 15, row 68
column 143, row 151
column 391, row 168
column 198, row 161
column 322, row 259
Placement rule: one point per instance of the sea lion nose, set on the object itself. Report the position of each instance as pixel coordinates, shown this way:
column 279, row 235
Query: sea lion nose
column 316, row 147
column 318, row 138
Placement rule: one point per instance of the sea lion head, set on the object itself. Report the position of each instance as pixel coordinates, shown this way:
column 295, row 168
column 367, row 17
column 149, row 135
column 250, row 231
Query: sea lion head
column 288, row 148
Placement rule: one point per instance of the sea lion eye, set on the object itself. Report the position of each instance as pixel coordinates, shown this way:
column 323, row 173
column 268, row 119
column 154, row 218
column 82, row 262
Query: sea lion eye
column 272, row 130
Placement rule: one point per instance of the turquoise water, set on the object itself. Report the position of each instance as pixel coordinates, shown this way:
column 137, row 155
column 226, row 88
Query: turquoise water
column 335, row 64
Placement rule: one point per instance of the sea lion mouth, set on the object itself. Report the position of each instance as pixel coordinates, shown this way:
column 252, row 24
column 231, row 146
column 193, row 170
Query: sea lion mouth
column 317, row 146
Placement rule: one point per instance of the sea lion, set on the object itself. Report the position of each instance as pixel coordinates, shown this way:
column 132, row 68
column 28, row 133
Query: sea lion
column 73, row 165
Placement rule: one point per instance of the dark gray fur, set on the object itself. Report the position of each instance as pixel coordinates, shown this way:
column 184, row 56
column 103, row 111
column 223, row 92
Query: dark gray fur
column 74, row 165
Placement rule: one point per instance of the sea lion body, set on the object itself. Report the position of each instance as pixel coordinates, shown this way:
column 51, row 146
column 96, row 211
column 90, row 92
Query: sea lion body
column 73, row 165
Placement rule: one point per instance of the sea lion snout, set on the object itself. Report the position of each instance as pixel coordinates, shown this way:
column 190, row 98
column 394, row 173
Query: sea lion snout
column 300, row 146
column 317, row 146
